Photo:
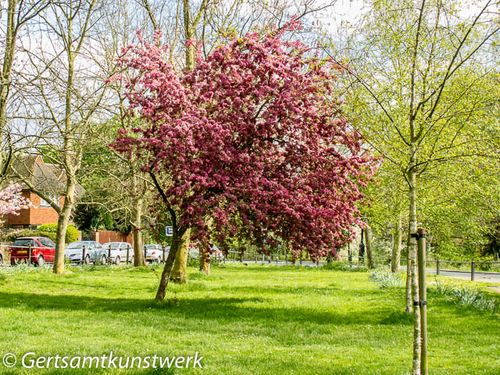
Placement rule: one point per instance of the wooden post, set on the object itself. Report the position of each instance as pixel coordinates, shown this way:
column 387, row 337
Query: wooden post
column 368, row 247
column 349, row 254
column 422, row 291
column 29, row 254
column 83, row 254
column 437, row 267
column 472, row 270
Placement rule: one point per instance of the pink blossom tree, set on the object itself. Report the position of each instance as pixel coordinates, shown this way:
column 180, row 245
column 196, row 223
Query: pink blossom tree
column 251, row 141
column 12, row 201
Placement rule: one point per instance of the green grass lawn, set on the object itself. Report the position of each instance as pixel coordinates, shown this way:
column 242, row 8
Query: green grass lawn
column 242, row 320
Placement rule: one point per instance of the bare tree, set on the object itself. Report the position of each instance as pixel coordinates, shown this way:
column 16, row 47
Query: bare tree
column 19, row 13
column 65, row 93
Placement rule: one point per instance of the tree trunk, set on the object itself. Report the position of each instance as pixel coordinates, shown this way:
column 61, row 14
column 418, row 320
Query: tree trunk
column 189, row 34
column 408, row 307
column 179, row 271
column 62, row 225
column 138, row 248
column 137, row 227
column 396, row 246
column 8, row 58
column 138, row 241
column 412, row 178
column 177, row 241
column 205, row 261
column 368, row 247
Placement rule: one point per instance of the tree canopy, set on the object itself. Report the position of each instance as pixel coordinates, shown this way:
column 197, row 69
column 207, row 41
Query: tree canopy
column 252, row 138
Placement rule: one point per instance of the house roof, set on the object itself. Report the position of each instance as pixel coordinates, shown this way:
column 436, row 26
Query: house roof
column 45, row 177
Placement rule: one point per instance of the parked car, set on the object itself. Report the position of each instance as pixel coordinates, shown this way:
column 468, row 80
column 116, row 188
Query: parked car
column 215, row 253
column 118, row 252
column 94, row 252
column 43, row 250
column 193, row 252
column 154, row 253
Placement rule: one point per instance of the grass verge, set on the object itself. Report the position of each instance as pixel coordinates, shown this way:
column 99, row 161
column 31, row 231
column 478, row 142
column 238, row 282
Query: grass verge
column 241, row 319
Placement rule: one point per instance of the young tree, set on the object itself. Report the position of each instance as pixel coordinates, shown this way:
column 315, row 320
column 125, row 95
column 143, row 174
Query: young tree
column 64, row 91
column 251, row 139
column 19, row 13
column 414, row 104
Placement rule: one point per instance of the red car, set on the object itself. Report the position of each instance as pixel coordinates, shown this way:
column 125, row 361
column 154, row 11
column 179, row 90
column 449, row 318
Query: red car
column 42, row 250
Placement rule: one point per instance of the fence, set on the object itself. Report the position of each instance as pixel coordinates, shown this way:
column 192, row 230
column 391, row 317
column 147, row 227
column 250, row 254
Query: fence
column 282, row 258
column 472, row 266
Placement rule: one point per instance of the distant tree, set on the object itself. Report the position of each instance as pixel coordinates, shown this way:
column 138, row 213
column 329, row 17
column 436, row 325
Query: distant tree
column 19, row 13
column 62, row 97
column 252, row 139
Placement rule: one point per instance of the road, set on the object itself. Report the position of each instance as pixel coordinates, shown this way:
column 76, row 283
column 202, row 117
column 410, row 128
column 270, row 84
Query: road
column 492, row 277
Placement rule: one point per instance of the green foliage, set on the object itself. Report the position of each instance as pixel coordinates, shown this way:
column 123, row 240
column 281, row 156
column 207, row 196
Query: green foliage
column 10, row 235
column 90, row 217
column 50, row 230
column 457, row 132
column 492, row 247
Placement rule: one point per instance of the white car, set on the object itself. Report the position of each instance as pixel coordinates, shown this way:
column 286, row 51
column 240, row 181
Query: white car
column 93, row 252
column 116, row 252
column 154, row 253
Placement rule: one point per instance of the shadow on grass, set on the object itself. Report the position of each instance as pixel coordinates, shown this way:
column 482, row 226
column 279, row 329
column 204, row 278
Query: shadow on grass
column 223, row 310
column 397, row 318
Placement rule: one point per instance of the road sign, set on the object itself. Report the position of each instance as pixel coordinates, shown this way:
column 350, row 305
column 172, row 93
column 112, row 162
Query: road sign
column 169, row 231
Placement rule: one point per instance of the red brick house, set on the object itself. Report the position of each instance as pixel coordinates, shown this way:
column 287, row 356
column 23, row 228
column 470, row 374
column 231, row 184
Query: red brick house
column 39, row 213
column 45, row 177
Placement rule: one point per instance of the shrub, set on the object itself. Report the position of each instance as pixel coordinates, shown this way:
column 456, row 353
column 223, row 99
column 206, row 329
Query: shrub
column 344, row 266
column 465, row 296
column 46, row 230
column 50, row 230
column 387, row 279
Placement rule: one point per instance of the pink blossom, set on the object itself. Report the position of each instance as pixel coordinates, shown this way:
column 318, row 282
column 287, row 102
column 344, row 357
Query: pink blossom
column 252, row 139
column 12, row 201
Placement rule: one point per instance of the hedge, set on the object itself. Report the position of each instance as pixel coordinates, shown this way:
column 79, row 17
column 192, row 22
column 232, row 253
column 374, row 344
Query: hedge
column 46, row 230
